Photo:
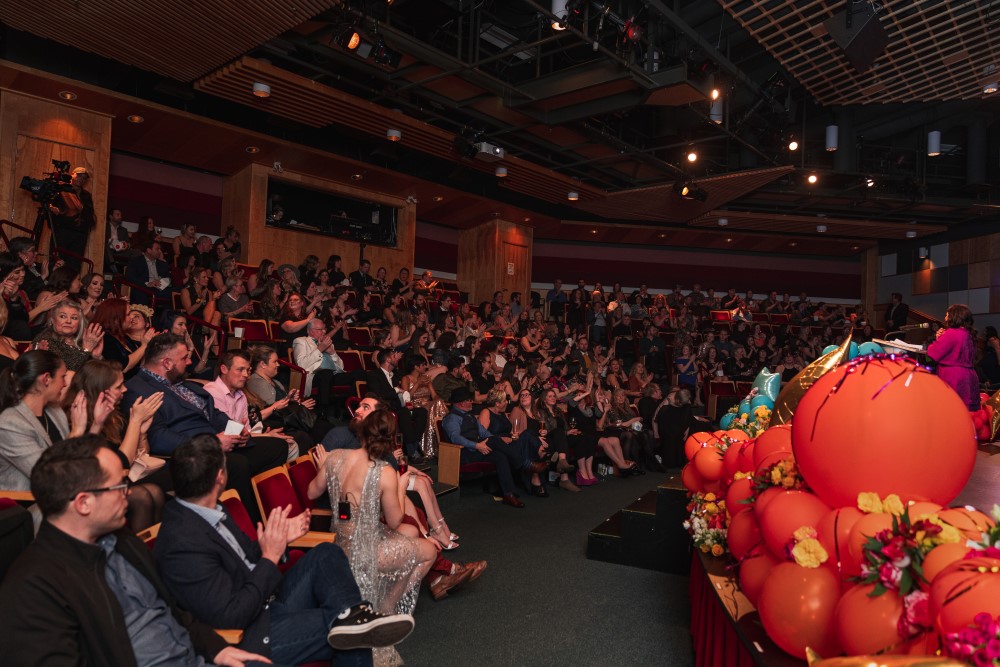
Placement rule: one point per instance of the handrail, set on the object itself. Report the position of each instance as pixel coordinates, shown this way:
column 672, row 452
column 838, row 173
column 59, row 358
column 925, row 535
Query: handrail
column 69, row 253
column 9, row 223
column 214, row 327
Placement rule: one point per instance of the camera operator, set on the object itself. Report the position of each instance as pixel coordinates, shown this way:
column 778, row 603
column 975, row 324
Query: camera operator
column 71, row 227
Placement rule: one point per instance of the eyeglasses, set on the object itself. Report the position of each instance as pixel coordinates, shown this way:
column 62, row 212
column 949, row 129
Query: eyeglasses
column 123, row 487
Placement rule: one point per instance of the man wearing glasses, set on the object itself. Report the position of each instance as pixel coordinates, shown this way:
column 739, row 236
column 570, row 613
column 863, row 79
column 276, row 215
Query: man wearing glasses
column 86, row 590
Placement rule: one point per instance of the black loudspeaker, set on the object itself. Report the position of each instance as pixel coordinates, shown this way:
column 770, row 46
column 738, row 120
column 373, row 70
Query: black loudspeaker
column 863, row 41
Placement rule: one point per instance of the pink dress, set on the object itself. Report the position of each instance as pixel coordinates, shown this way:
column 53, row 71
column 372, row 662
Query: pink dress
column 954, row 351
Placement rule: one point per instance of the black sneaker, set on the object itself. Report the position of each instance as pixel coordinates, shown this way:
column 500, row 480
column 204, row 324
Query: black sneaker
column 361, row 627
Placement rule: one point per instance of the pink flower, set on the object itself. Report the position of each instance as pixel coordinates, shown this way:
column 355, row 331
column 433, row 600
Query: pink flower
column 983, row 620
column 971, row 636
column 980, row 659
column 993, row 648
column 889, row 575
column 918, row 609
column 893, row 551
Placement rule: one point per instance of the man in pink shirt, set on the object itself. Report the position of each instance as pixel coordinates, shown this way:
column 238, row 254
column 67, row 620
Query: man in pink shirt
column 227, row 393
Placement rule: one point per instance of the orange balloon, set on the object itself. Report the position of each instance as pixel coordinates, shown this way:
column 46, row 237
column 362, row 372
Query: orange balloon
column 971, row 523
column 765, row 497
column 964, row 589
column 691, row 479
column 854, row 430
column 786, row 513
column 867, row 526
column 774, row 439
column 708, row 463
column 865, row 624
column 797, row 606
column 922, row 508
column 737, row 435
column 743, row 534
column 731, row 461
column 712, row 486
column 738, row 496
column 834, row 532
column 719, row 433
column 697, row 441
column 940, row 557
column 746, row 456
column 754, row 571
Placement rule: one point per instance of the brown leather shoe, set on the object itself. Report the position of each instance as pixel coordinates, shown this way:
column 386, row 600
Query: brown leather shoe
column 568, row 485
column 564, row 466
column 446, row 582
column 475, row 569
column 512, row 500
column 538, row 467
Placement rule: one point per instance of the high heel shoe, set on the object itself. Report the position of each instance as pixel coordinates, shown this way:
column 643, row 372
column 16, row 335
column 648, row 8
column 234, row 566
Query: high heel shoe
column 450, row 545
column 451, row 536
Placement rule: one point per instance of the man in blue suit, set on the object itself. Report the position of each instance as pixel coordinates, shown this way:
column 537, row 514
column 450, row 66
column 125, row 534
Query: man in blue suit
column 149, row 270
column 311, row 612
column 188, row 410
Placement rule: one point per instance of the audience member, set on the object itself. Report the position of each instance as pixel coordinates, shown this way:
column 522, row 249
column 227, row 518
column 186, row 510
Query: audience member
column 68, row 335
column 149, row 270
column 412, row 420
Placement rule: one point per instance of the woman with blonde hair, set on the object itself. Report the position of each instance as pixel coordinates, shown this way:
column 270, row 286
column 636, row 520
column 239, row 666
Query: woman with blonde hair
column 69, row 336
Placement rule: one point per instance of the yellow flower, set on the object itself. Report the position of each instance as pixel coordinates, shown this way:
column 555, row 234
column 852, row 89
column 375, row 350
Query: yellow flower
column 711, row 508
column 717, row 550
column 869, row 502
column 744, row 416
column 893, row 505
column 948, row 535
column 804, row 533
column 709, row 497
column 788, row 482
column 809, row 553
column 775, row 475
column 742, row 475
column 704, row 548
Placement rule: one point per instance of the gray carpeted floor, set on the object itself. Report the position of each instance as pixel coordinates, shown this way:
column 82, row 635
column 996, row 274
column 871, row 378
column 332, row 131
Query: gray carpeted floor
column 541, row 602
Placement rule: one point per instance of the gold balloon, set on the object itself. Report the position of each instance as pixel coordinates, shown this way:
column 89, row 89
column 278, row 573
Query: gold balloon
column 815, row 660
column 792, row 393
column 994, row 402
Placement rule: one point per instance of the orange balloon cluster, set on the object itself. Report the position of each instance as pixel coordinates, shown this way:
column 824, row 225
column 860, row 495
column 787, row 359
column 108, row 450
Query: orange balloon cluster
column 875, row 425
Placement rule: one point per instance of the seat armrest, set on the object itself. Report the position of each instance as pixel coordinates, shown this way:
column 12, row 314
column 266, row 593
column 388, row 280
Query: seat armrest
column 313, row 538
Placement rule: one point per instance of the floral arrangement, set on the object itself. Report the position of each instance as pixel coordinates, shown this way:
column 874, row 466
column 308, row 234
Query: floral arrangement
column 805, row 549
column 894, row 559
column 784, row 474
column 989, row 544
column 752, row 423
column 978, row 644
column 707, row 523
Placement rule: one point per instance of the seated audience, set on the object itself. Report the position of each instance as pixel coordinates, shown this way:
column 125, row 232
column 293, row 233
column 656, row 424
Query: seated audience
column 32, row 417
column 91, row 294
column 235, row 302
column 382, row 382
column 150, row 270
column 126, row 332
column 68, row 335
column 311, row 612
column 24, row 251
column 82, row 553
column 19, row 310
column 277, row 405
column 8, row 349
column 188, row 410
column 324, row 368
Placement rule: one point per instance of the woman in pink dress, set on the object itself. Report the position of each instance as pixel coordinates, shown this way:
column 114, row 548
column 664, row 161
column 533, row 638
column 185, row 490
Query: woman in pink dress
column 954, row 351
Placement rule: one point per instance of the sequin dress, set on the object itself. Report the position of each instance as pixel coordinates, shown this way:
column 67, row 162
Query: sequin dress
column 420, row 395
column 383, row 561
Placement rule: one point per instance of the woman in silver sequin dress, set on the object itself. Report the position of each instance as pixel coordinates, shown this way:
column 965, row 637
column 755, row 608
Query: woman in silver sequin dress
column 389, row 559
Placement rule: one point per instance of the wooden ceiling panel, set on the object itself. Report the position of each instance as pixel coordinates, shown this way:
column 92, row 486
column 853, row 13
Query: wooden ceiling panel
column 175, row 39
column 936, row 50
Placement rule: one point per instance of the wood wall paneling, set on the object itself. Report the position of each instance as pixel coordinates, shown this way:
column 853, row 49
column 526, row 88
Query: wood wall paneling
column 979, row 251
column 979, row 274
column 484, row 254
column 958, row 252
column 33, row 132
column 245, row 203
column 921, row 282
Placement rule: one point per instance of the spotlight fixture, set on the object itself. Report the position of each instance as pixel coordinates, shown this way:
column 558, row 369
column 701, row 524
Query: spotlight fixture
column 252, row 149
column 573, row 195
column 527, row 219
column 991, row 84
column 923, row 252
column 261, row 90
column 812, row 178
column 393, row 135
column 715, row 112
column 715, row 93
column 870, row 182
column 723, row 222
column 729, row 240
column 831, row 137
column 991, row 87
column 690, row 191
column 67, row 95
column 934, row 143
column 437, row 198
column 135, row 118
column 593, row 231
column 350, row 40
column 356, row 177
column 911, row 234
column 793, row 145
column 821, row 229
column 692, row 156
column 386, row 56
column 663, row 236
column 500, row 172
column 561, row 14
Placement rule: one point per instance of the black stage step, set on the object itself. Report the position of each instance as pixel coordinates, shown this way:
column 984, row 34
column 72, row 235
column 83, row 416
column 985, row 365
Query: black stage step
column 648, row 533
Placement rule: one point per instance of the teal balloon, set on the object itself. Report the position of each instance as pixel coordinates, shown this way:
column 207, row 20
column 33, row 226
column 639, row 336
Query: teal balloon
column 745, row 406
column 827, row 350
column 869, row 348
column 767, row 384
column 853, row 351
column 761, row 400
column 727, row 420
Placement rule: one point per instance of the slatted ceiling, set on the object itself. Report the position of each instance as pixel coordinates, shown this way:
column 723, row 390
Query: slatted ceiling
column 659, row 203
column 318, row 105
column 936, row 51
column 181, row 40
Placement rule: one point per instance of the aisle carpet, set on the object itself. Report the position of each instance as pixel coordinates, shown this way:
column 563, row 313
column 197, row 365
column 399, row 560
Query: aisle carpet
column 541, row 602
